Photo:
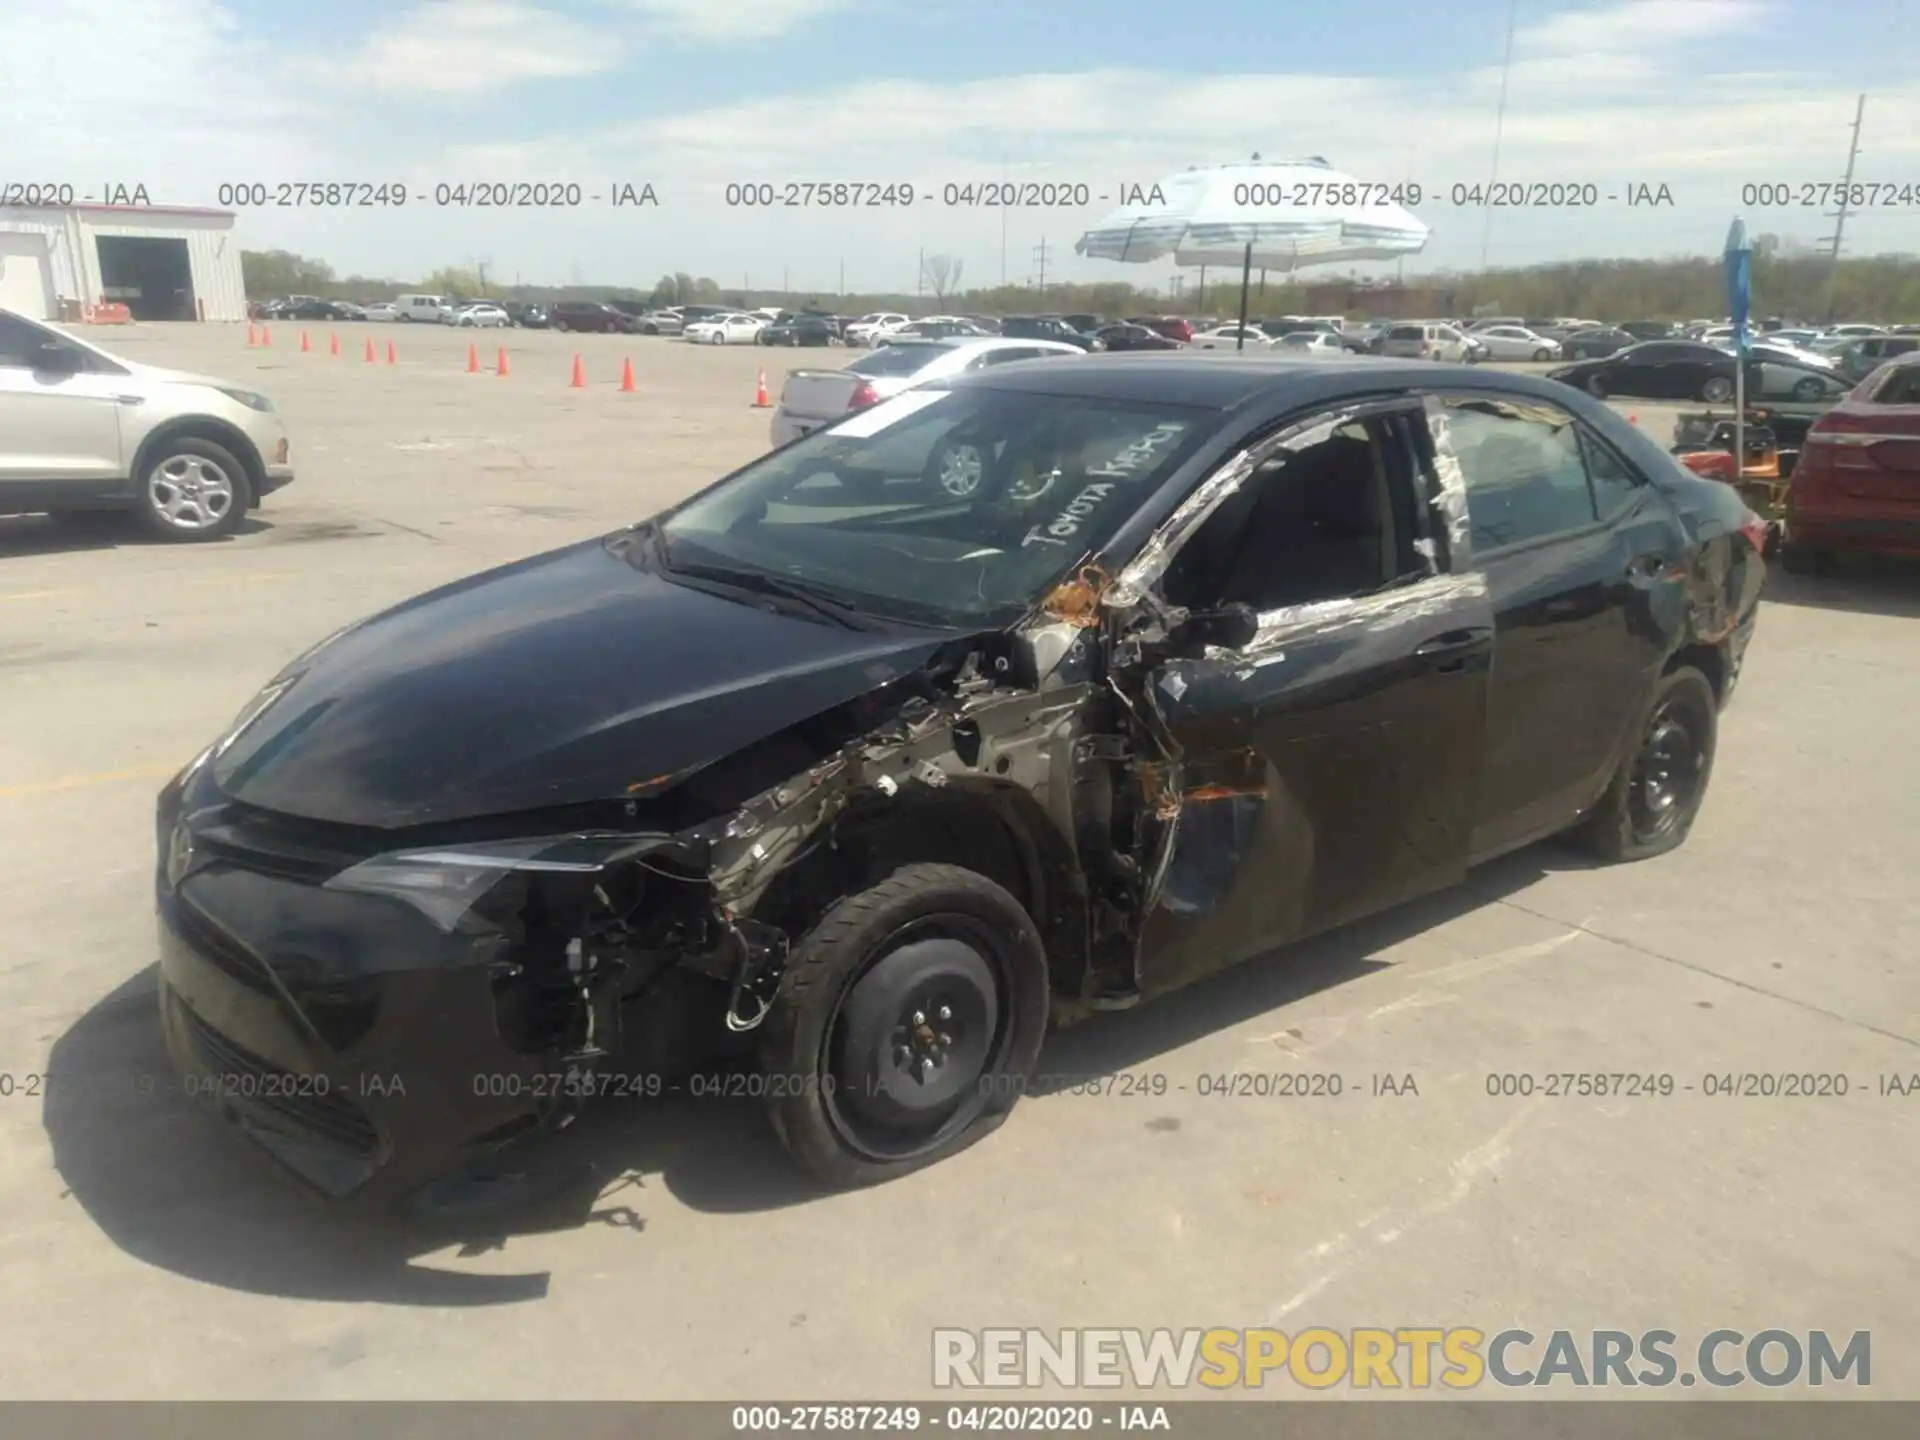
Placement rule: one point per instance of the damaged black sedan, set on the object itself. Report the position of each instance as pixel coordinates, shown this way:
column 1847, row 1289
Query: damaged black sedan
column 986, row 708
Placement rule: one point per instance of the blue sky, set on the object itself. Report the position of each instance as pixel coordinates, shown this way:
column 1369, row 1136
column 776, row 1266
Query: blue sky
column 1703, row 96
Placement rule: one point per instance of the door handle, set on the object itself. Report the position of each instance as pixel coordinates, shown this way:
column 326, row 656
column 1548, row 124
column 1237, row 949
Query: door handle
column 129, row 399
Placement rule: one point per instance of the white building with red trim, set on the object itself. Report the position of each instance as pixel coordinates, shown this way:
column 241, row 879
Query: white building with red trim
column 83, row 262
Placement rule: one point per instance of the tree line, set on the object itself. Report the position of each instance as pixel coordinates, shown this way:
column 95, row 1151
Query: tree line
column 1787, row 281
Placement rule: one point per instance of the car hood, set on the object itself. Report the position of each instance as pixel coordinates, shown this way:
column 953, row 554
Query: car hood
column 564, row 678
column 160, row 375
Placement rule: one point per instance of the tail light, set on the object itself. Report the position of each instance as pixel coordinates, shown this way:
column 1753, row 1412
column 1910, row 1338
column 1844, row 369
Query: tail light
column 863, row 395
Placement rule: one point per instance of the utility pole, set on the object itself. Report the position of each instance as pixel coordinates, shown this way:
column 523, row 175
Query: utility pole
column 1003, row 220
column 1040, row 255
column 920, row 285
column 1839, row 217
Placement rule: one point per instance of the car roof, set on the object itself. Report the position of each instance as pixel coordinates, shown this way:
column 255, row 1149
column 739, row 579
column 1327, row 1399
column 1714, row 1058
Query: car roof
column 1227, row 380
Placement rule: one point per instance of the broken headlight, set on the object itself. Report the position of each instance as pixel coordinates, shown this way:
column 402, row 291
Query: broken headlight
column 446, row 883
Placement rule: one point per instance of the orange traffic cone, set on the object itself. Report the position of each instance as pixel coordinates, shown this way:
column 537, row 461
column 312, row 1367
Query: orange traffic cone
column 760, row 401
column 579, row 381
column 392, row 355
column 626, row 377
column 501, row 368
column 333, row 343
column 1633, row 419
column 473, row 359
column 266, row 337
column 253, row 336
column 306, row 345
column 369, row 350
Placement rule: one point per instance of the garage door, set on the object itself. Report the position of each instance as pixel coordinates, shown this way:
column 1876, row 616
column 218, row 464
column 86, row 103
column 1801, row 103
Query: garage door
column 26, row 275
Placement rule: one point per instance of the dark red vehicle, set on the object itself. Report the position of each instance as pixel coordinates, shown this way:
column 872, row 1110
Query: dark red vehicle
column 1857, row 486
column 1171, row 326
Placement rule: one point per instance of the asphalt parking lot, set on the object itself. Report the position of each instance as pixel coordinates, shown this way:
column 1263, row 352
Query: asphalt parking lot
column 147, row 1255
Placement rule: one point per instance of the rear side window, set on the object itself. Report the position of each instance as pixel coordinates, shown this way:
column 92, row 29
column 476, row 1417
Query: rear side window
column 1525, row 470
column 1407, row 332
column 896, row 360
column 1901, row 387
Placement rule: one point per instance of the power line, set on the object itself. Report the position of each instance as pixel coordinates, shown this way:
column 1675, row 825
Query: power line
column 1499, row 128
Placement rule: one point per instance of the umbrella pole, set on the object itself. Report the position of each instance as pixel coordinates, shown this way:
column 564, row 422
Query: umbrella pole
column 1739, row 412
column 1246, row 278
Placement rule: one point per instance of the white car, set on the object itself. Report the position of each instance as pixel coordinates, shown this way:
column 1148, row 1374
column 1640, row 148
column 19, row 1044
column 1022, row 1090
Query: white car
column 1516, row 342
column 725, row 330
column 385, row 310
column 483, row 314
column 1321, row 344
column 862, row 331
column 812, row 398
column 83, row 430
column 1227, row 337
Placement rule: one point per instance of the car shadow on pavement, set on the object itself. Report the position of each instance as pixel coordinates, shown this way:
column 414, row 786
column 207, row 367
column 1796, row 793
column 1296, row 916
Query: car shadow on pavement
column 173, row 1186
column 108, row 530
column 1863, row 584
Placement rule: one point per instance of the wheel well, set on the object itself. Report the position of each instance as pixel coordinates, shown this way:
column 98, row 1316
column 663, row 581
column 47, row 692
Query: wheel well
column 997, row 831
column 1709, row 660
column 205, row 427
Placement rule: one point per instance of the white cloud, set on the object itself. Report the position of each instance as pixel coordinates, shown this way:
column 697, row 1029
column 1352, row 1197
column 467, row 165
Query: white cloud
column 1613, row 95
column 724, row 21
column 1635, row 25
column 473, row 47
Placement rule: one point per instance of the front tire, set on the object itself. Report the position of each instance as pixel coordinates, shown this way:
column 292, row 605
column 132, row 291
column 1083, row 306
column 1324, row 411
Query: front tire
column 906, row 1026
column 1654, row 797
column 1808, row 389
column 192, row 490
column 1717, row 391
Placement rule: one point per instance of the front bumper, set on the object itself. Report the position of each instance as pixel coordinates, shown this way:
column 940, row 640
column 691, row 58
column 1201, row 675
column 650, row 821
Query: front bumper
column 348, row 1037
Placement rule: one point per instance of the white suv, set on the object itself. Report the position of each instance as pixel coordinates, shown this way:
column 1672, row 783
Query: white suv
column 1429, row 340
column 83, row 431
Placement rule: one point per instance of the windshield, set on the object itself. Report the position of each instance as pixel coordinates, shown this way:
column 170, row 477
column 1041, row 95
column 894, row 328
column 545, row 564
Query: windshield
column 943, row 507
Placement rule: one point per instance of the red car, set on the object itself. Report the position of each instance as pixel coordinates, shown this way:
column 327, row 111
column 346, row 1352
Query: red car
column 1171, row 326
column 1857, row 486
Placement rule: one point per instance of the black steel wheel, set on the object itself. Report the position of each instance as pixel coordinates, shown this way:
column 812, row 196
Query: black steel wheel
column 906, row 1025
column 1658, row 786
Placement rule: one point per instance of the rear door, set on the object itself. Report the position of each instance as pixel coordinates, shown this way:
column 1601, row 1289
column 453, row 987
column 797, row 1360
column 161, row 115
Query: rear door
column 1327, row 768
column 1585, row 563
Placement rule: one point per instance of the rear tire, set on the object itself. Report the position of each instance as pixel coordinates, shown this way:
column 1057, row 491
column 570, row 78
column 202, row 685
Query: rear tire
column 1655, row 795
column 1806, row 559
column 1717, row 390
column 906, row 1026
column 1597, row 387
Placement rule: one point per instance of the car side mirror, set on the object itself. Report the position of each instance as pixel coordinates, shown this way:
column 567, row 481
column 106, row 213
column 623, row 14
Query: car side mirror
column 53, row 358
column 1231, row 627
